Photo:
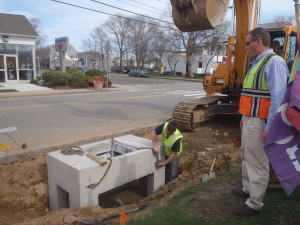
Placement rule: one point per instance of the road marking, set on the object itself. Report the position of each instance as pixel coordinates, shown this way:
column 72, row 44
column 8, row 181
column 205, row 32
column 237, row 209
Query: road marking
column 80, row 102
column 5, row 146
column 195, row 94
column 4, row 130
column 202, row 93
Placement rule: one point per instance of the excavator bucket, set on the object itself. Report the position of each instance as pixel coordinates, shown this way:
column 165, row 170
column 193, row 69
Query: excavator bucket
column 196, row 15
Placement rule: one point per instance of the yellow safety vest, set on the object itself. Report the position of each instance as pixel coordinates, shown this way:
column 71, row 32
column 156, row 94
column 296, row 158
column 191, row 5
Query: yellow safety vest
column 168, row 142
column 255, row 97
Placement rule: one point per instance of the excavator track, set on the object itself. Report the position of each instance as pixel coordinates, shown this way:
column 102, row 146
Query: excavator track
column 189, row 115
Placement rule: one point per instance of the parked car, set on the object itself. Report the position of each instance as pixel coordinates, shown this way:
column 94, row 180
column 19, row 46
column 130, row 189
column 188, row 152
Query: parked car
column 138, row 73
column 117, row 70
column 125, row 70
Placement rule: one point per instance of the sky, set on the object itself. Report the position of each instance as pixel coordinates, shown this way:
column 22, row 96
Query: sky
column 61, row 20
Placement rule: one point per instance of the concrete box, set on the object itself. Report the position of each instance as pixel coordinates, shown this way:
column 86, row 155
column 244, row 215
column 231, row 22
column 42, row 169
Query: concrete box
column 70, row 175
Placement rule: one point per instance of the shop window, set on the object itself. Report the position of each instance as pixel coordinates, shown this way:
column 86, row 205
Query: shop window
column 25, row 57
column 25, row 62
column 7, row 49
column 26, row 74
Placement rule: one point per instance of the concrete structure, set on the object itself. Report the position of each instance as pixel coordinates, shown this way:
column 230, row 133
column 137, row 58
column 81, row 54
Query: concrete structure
column 202, row 64
column 17, row 49
column 70, row 175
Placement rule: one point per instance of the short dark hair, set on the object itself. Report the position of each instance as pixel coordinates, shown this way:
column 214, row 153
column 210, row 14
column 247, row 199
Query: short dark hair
column 172, row 126
column 262, row 33
column 277, row 42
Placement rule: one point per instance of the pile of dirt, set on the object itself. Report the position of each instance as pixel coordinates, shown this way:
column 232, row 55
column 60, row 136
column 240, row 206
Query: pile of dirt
column 24, row 196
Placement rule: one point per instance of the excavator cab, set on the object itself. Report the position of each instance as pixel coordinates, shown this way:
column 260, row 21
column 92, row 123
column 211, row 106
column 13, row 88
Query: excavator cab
column 286, row 36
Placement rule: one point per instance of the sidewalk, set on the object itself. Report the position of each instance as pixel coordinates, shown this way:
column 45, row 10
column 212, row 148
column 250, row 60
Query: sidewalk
column 25, row 90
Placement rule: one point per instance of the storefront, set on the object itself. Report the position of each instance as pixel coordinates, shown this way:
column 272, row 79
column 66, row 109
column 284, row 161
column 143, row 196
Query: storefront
column 17, row 49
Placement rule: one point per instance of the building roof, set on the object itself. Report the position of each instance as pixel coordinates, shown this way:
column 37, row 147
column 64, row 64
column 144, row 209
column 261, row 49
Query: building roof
column 16, row 24
column 275, row 25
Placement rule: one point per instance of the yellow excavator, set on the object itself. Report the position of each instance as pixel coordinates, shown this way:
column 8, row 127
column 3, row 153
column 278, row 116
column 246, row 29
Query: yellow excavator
column 223, row 88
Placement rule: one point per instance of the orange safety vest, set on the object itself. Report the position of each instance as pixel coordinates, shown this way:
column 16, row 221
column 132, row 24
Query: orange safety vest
column 255, row 97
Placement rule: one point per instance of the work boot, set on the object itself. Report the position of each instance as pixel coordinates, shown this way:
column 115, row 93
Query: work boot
column 245, row 210
column 239, row 193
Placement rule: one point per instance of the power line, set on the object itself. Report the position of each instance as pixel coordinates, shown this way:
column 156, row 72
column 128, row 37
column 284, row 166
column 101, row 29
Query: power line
column 94, row 10
column 138, row 7
column 163, row 1
column 130, row 11
column 145, row 4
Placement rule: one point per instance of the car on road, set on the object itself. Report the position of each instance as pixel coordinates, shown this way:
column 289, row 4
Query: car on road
column 138, row 73
column 125, row 70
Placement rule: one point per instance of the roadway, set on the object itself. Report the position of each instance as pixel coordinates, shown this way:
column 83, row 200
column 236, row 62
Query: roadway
column 52, row 120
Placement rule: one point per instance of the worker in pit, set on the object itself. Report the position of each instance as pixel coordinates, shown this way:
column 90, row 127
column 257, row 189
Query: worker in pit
column 262, row 93
column 171, row 139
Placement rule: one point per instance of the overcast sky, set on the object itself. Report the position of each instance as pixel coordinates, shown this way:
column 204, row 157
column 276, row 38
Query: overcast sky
column 60, row 20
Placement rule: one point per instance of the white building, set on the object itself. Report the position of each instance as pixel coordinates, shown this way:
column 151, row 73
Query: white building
column 17, row 49
column 202, row 64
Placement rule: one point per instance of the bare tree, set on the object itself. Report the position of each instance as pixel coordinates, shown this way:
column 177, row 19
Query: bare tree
column 37, row 25
column 142, row 39
column 280, row 18
column 191, row 42
column 118, row 28
column 99, row 37
column 214, row 43
column 172, row 58
column 89, row 45
column 41, row 50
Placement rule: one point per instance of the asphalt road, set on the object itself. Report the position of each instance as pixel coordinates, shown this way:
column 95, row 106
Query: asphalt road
column 46, row 121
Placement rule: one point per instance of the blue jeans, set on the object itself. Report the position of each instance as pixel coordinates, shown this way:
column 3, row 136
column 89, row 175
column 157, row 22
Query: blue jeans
column 172, row 169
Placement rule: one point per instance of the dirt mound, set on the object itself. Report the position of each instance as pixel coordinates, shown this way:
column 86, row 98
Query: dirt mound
column 23, row 190
column 24, row 196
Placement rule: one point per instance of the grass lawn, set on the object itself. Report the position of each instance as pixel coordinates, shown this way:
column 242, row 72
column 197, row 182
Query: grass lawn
column 212, row 203
column 8, row 90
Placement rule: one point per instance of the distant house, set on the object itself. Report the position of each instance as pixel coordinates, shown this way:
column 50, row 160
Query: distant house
column 17, row 49
column 91, row 60
column 202, row 64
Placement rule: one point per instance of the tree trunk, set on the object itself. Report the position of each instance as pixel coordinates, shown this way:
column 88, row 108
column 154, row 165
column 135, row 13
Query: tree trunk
column 189, row 66
column 121, row 58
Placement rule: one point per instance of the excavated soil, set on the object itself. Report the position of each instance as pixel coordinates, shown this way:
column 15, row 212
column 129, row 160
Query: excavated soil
column 24, row 196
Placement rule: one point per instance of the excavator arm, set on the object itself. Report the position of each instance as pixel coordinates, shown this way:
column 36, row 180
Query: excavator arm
column 196, row 15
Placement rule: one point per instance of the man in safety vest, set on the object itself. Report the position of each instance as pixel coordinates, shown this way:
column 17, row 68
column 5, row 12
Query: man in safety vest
column 171, row 139
column 262, row 93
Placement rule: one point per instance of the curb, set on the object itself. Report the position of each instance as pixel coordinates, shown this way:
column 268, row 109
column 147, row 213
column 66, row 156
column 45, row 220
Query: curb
column 51, row 92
